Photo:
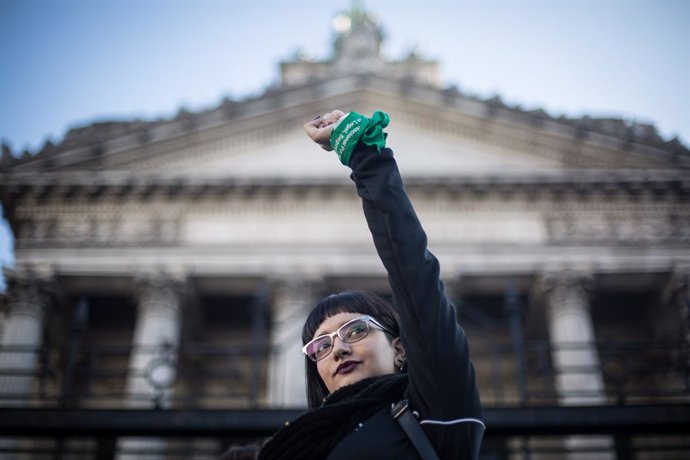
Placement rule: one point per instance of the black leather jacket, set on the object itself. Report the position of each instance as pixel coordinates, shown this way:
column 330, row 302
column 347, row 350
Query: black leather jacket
column 442, row 386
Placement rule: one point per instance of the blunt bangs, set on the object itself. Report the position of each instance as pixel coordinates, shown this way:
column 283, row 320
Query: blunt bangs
column 363, row 302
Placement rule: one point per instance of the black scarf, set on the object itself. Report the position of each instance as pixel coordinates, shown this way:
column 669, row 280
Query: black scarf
column 314, row 435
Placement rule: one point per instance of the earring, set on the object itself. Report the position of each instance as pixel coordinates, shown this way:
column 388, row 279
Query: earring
column 400, row 364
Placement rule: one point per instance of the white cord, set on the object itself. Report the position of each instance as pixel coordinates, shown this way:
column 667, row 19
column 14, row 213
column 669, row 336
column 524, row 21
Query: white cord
column 452, row 422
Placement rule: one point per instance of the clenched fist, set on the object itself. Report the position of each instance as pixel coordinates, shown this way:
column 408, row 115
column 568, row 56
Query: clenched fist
column 319, row 129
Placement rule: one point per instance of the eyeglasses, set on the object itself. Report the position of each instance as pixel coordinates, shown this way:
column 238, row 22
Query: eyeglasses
column 350, row 332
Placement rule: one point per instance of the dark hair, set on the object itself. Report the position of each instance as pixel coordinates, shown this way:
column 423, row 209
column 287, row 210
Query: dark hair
column 363, row 302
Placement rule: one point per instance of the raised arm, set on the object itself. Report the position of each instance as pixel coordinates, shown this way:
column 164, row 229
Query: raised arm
column 441, row 373
column 442, row 382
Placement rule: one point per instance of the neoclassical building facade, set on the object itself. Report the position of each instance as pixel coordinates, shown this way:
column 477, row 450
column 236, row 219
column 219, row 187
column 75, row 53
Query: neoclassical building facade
column 169, row 265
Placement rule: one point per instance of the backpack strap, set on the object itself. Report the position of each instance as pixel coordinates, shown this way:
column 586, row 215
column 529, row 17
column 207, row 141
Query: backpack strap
column 408, row 422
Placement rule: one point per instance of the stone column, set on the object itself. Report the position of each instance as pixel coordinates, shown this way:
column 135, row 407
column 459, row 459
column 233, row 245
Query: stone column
column 26, row 302
column 155, row 342
column 579, row 379
column 673, row 322
column 293, row 299
column 153, row 360
column 683, row 305
column 21, row 339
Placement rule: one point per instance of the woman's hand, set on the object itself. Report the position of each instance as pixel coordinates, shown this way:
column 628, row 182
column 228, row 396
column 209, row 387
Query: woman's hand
column 319, row 129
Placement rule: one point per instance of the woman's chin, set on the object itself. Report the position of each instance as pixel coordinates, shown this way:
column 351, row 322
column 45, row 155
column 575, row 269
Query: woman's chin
column 347, row 380
column 353, row 377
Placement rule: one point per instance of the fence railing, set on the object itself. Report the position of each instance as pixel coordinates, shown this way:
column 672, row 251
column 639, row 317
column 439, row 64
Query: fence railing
column 620, row 432
column 198, row 376
column 63, row 403
column 632, row 372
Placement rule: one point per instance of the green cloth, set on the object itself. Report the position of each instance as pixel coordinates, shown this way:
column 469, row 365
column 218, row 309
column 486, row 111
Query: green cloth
column 354, row 128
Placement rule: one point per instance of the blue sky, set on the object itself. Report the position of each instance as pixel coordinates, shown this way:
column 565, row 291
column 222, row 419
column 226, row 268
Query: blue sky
column 70, row 62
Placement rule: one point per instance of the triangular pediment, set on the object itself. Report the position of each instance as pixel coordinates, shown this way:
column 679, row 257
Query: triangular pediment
column 293, row 155
column 434, row 133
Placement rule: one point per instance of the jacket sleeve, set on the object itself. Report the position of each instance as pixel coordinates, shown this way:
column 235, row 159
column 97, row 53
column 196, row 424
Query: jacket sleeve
column 442, row 382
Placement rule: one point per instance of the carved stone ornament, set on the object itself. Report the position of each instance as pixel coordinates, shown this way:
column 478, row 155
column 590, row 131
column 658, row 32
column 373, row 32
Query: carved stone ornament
column 566, row 226
column 28, row 293
column 155, row 290
column 552, row 287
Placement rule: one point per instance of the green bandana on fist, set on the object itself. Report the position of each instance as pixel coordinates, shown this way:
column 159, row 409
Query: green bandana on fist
column 355, row 127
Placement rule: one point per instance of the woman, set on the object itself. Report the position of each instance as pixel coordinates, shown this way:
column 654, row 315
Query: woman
column 361, row 358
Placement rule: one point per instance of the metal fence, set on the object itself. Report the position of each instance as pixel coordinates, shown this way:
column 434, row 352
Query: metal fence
column 525, row 374
column 192, row 376
column 614, row 432
column 72, row 403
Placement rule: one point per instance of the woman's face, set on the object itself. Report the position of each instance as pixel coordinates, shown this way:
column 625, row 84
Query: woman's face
column 348, row 363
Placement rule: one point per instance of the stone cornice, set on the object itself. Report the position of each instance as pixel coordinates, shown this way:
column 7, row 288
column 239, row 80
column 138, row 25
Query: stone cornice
column 124, row 184
column 268, row 110
column 357, row 261
column 117, row 178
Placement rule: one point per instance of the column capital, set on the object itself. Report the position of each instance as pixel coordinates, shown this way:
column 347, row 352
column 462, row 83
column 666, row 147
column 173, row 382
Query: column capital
column 28, row 292
column 551, row 280
column 155, row 288
column 678, row 284
column 295, row 283
column 160, row 278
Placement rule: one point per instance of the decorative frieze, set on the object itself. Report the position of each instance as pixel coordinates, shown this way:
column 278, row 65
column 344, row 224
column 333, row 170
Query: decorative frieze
column 617, row 226
column 582, row 209
column 98, row 230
